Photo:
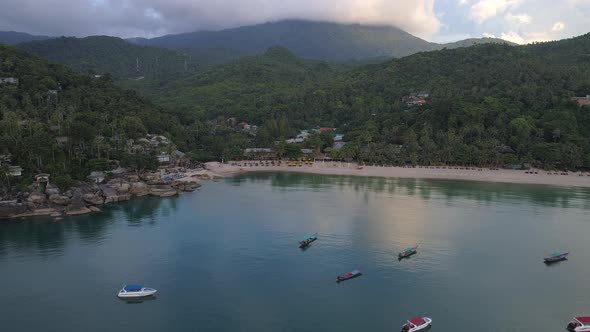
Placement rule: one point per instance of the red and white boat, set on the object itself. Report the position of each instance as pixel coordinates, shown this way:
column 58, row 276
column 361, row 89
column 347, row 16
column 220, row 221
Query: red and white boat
column 417, row 324
column 579, row 324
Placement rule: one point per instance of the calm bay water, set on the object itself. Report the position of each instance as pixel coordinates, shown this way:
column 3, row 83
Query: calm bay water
column 226, row 258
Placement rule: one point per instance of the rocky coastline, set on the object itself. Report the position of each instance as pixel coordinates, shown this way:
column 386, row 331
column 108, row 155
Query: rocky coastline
column 88, row 198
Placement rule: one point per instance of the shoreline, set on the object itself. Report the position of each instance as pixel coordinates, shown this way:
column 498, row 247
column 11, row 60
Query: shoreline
column 471, row 174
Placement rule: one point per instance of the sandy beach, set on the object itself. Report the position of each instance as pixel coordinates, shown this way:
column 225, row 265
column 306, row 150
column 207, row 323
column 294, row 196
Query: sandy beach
column 572, row 179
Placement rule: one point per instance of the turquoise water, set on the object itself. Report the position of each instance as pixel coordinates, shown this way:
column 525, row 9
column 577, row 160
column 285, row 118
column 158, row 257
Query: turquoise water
column 226, row 258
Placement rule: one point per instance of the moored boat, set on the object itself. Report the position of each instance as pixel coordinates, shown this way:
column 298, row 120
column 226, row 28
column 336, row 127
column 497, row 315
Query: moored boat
column 349, row 275
column 136, row 291
column 579, row 324
column 556, row 257
column 417, row 324
column 308, row 240
column 408, row 252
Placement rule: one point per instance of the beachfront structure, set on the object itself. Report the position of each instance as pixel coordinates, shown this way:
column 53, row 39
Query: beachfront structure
column 582, row 101
column 260, row 153
column 338, row 145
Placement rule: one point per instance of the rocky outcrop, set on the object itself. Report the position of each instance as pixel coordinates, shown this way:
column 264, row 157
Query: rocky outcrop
column 94, row 199
column 84, row 197
column 186, row 186
column 58, row 199
column 37, row 198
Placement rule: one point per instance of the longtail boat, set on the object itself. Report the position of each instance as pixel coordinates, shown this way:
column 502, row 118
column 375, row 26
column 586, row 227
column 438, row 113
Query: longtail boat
column 408, row 252
column 349, row 275
column 308, row 240
column 556, row 257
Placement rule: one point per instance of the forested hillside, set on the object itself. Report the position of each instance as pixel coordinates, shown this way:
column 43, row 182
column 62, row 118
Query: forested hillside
column 254, row 88
column 102, row 54
column 487, row 104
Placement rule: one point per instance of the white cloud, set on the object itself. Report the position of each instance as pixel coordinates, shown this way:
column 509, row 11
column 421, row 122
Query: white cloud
column 484, row 10
column 512, row 36
column 520, row 18
column 148, row 17
column 488, row 35
column 558, row 26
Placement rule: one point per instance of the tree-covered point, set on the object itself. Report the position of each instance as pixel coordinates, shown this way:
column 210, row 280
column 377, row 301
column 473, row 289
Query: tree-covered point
column 60, row 122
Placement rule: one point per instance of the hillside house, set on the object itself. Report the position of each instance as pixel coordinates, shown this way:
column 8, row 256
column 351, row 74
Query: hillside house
column 163, row 158
column 582, row 101
column 15, row 170
column 8, row 81
column 157, row 140
column 416, row 98
column 61, row 141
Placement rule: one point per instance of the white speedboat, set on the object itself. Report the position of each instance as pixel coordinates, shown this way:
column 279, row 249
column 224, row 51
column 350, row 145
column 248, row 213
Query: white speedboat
column 579, row 324
column 136, row 291
column 417, row 324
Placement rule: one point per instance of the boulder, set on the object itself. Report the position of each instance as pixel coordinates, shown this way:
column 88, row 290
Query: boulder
column 37, row 198
column 139, row 189
column 120, row 185
column 187, row 186
column 93, row 199
column 75, row 210
column 94, row 209
column 133, row 178
column 59, row 199
column 112, row 195
column 163, row 191
column 51, row 190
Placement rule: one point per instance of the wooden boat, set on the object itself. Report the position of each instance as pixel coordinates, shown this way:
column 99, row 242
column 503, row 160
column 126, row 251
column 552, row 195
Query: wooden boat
column 579, row 324
column 349, row 275
column 556, row 257
column 408, row 252
column 417, row 324
column 308, row 240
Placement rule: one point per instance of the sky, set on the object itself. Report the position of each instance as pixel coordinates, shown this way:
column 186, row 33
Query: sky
column 519, row 21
